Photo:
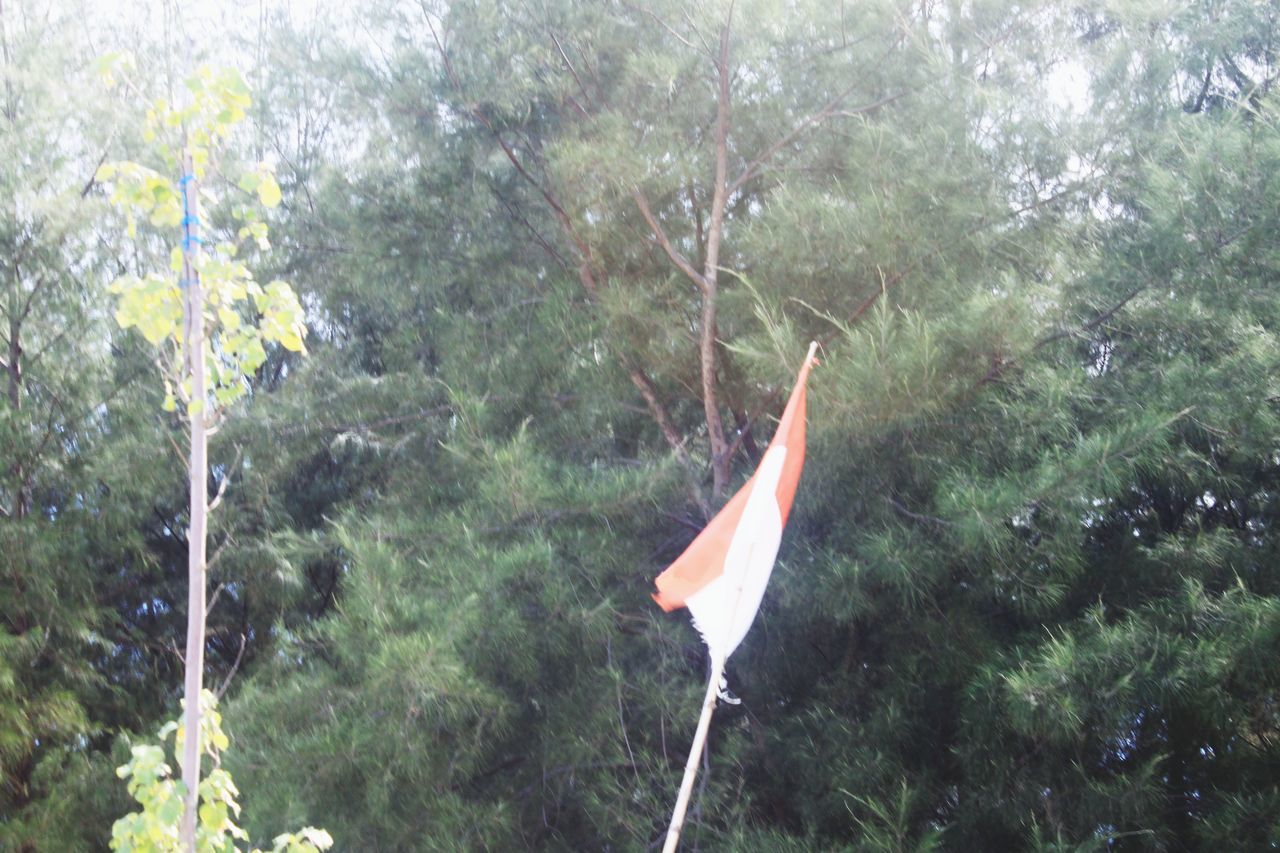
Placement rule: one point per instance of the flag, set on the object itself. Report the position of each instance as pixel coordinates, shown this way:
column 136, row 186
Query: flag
column 722, row 575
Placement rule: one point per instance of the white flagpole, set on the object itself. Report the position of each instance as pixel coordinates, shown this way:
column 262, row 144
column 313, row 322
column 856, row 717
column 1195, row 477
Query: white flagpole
column 199, row 492
column 695, row 752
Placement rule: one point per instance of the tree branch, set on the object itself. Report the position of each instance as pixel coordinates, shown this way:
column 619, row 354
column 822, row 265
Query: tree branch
column 226, row 682
column 654, row 15
column 1092, row 324
column 678, row 259
column 582, row 88
column 226, row 478
column 825, row 112
column 537, row 237
column 915, row 516
column 677, row 443
column 1204, row 90
column 586, row 276
column 93, row 179
column 828, row 110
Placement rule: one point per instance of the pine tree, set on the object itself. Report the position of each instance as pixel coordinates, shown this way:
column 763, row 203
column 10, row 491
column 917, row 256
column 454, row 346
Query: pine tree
column 1026, row 599
column 67, row 523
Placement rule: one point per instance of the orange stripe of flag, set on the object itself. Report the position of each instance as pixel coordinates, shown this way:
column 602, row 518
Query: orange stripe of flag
column 703, row 561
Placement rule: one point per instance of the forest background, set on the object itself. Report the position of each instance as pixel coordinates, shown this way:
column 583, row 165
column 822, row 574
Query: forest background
column 560, row 261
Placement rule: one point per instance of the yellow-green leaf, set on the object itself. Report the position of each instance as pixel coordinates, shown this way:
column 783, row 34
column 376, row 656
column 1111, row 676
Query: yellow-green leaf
column 269, row 191
column 291, row 341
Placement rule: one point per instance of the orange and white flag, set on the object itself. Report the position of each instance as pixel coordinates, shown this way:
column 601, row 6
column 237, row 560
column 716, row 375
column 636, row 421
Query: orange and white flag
column 722, row 575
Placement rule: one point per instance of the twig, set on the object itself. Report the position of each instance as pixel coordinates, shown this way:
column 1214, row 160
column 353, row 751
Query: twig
column 827, row 111
column 226, row 682
column 213, row 599
column 1092, row 324
column 915, row 516
column 226, row 478
column 646, row 11
column 574, row 72
column 678, row 259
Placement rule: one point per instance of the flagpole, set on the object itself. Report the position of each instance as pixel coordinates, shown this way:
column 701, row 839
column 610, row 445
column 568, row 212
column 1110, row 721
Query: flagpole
column 695, row 752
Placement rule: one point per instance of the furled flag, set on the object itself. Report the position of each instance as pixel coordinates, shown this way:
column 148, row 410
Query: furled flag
column 721, row 576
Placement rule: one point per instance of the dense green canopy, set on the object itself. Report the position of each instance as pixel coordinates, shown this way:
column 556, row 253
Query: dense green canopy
column 560, row 262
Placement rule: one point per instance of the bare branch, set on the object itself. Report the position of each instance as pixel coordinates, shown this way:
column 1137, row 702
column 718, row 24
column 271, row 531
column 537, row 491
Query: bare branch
column 537, row 237
column 586, row 274
column 93, row 179
column 678, row 259
column 213, row 561
column 1092, row 324
column 226, row 682
column 54, row 341
column 177, row 451
column 574, row 72
column 213, row 599
column 677, row 443
column 693, row 25
column 41, row 281
column 561, row 215
column 654, row 15
column 48, row 430
column 828, row 110
column 226, row 478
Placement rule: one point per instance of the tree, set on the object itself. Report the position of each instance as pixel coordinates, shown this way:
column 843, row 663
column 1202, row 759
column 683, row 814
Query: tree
column 658, row 153
column 155, row 828
column 510, row 561
column 990, row 434
column 67, row 419
column 209, row 348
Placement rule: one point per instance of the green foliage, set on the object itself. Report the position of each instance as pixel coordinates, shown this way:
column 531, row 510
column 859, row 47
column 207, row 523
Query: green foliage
column 990, row 626
column 242, row 315
column 71, row 665
column 1027, row 599
column 154, row 828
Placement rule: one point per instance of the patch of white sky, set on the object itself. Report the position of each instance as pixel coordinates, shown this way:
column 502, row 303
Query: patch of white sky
column 238, row 32
column 232, row 31
column 1068, row 86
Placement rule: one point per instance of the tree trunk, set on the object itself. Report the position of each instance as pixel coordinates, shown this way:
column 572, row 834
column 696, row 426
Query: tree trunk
column 198, row 474
column 13, row 363
column 720, row 458
column 13, row 371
